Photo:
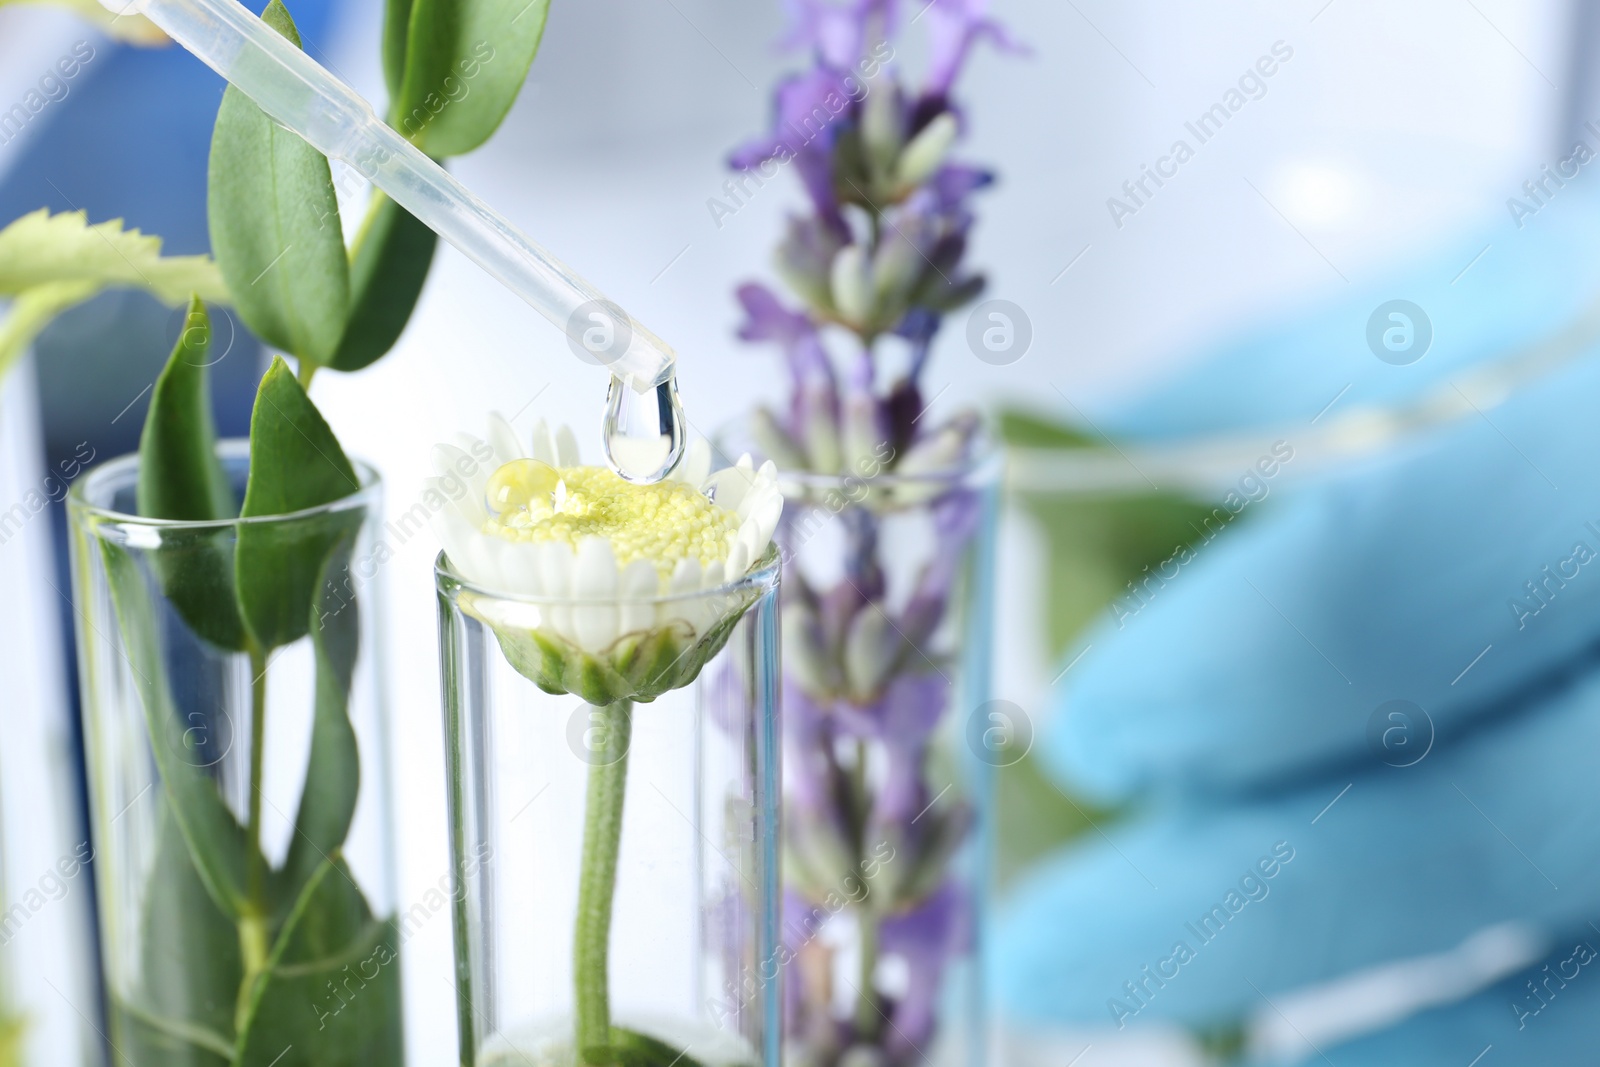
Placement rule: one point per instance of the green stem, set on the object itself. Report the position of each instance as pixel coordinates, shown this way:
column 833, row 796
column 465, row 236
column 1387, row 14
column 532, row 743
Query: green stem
column 253, row 939
column 602, row 841
column 867, row 1016
column 304, row 371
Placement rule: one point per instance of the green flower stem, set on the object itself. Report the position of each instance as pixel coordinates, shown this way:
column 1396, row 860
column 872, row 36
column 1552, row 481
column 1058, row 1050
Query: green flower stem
column 253, row 939
column 867, row 1016
column 602, row 841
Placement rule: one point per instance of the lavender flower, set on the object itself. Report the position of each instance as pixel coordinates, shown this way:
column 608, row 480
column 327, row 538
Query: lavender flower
column 872, row 266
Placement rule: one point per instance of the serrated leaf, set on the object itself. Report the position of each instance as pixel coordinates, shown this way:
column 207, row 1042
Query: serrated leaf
column 387, row 270
column 40, row 248
column 466, row 61
column 295, row 464
column 274, row 223
column 132, row 28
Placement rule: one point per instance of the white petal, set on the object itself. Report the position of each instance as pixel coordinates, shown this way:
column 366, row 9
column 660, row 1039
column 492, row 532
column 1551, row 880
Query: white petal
column 444, row 459
column 466, row 442
column 729, row 486
column 637, row 589
column 452, row 462
column 459, row 501
column 504, row 439
column 519, row 564
column 555, row 561
column 750, row 538
column 544, row 447
column 566, row 447
column 712, row 577
column 738, row 559
column 685, row 580
column 463, row 544
column 595, row 578
column 696, row 462
column 765, row 519
column 556, row 569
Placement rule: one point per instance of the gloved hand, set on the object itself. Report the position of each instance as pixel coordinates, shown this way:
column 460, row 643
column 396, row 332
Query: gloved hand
column 1290, row 831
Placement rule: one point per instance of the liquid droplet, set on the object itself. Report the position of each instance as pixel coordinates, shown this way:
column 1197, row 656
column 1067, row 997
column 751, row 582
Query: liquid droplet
column 643, row 432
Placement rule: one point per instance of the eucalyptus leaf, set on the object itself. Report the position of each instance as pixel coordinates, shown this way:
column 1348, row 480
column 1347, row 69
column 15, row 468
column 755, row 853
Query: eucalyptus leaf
column 466, row 61
column 333, row 772
column 296, row 464
column 182, row 1012
column 275, row 226
column 216, row 842
column 396, row 27
column 180, row 477
column 330, row 996
column 387, row 270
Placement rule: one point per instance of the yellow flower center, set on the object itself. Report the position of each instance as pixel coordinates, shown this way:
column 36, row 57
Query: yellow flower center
column 663, row 523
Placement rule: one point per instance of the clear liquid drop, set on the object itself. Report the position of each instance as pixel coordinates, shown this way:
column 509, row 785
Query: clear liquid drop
column 643, row 433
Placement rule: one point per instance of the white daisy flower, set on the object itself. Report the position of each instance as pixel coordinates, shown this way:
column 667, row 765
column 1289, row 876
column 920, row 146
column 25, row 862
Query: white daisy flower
column 596, row 585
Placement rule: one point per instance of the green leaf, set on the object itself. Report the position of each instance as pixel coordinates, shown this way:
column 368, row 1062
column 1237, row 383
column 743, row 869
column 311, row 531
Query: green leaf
column 180, row 477
column 396, row 24
column 40, row 248
column 333, row 773
column 388, row 267
column 216, row 842
column 466, row 61
column 13, row 1035
column 295, row 464
column 630, row 1048
column 1021, row 429
column 181, row 1014
column 331, row 994
column 32, row 311
column 275, row 225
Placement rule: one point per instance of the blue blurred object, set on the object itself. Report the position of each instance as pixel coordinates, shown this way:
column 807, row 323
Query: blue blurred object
column 1296, row 827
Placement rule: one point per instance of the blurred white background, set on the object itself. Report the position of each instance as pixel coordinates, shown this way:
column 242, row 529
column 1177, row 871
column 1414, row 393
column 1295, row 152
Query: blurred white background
column 1390, row 126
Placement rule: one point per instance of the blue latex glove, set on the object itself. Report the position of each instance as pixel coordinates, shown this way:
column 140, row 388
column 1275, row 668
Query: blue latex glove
column 1239, row 703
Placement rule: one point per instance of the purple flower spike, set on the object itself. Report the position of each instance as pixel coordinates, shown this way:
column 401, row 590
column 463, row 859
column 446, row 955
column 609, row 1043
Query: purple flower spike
column 954, row 26
column 927, row 938
column 811, row 111
column 766, row 319
column 911, row 711
column 878, row 252
column 837, row 32
column 954, row 183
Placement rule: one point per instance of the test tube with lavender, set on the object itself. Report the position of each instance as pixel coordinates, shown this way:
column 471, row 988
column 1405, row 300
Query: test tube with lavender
column 885, row 541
